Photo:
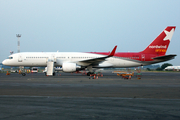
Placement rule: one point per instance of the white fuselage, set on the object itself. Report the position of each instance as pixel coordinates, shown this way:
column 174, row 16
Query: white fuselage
column 41, row 59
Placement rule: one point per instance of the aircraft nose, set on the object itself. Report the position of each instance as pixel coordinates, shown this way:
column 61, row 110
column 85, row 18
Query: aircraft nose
column 4, row 62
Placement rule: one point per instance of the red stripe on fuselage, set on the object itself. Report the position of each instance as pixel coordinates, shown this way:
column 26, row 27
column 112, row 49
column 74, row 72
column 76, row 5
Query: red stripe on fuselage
column 130, row 55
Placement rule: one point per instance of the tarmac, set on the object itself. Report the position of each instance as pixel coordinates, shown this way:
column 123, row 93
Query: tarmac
column 74, row 96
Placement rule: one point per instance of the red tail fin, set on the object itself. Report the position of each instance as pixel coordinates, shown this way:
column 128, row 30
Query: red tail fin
column 160, row 44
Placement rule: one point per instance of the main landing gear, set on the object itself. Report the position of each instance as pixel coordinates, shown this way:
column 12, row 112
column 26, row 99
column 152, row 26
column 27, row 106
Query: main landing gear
column 89, row 73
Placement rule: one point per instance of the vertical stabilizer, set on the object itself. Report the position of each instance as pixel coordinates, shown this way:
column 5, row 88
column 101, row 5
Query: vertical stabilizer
column 160, row 45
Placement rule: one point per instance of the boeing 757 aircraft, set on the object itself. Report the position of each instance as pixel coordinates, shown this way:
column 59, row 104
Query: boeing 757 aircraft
column 75, row 61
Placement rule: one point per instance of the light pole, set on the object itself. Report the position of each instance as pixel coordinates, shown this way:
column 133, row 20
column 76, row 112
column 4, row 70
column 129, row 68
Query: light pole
column 18, row 36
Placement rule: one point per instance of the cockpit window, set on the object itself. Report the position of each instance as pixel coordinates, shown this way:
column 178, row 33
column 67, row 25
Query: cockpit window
column 10, row 57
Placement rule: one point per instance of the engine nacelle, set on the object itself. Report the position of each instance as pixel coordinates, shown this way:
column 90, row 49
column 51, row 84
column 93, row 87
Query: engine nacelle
column 69, row 67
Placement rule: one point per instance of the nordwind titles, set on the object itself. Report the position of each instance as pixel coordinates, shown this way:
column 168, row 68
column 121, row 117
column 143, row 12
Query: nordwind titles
column 157, row 46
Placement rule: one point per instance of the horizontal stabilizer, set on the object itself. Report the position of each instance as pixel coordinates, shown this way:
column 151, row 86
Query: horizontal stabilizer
column 165, row 57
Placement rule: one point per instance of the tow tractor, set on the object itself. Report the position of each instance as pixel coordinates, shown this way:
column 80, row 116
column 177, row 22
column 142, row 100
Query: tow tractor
column 124, row 74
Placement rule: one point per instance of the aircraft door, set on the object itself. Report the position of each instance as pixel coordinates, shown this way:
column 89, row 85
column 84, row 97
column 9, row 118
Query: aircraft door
column 142, row 57
column 20, row 58
column 53, row 57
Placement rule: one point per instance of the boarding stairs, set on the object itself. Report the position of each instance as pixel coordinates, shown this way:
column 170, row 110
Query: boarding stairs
column 50, row 67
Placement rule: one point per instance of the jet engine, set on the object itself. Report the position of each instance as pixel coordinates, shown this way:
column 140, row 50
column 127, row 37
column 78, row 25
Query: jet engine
column 69, row 67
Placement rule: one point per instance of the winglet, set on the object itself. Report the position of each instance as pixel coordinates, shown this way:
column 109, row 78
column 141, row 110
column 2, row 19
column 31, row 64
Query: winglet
column 112, row 52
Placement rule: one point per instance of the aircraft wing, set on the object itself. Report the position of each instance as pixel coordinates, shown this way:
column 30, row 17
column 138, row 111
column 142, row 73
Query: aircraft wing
column 96, row 61
column 165, row 57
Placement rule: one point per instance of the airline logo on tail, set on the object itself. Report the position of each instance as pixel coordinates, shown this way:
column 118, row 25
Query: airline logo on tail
column 160, row 44
column 168, row 34
column 156, row 46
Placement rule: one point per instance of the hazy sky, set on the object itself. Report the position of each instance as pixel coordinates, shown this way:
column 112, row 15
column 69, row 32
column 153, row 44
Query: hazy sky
column 87, row 25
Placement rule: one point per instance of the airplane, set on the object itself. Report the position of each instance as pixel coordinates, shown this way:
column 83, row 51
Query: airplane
column 176, row 68
column 75, row 61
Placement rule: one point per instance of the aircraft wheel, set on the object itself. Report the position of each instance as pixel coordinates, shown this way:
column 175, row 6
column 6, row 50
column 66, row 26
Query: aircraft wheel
column 54, row 74
column 23, row 74
column 89, row 73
